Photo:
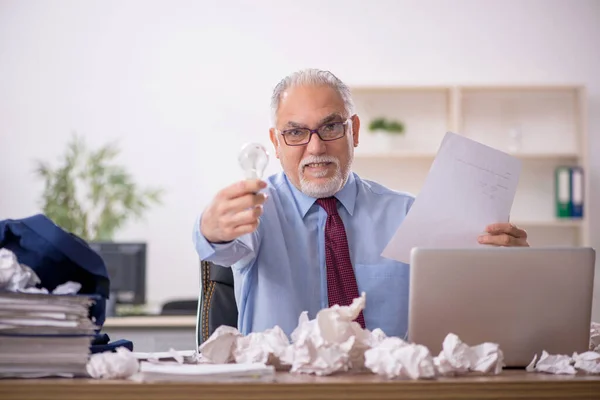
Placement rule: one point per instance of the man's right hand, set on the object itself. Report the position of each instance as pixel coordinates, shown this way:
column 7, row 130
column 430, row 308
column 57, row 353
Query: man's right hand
column 234, row 211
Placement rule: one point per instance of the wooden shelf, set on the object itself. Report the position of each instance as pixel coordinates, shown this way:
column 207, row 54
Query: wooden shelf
column 546, row 122
column 557, row 223
column 496, row 88
column 395, row 155
column 425, row 155
column 396, row 89
column 519, row 88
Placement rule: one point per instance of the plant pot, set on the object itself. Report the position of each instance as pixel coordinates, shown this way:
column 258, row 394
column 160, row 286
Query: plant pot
column 388, row 142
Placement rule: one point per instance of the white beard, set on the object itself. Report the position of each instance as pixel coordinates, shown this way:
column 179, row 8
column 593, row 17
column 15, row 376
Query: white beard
column 322, row 189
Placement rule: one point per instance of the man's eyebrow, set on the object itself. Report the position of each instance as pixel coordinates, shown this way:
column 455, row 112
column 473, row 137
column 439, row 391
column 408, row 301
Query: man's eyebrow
column 329, row 118
column 293, row 124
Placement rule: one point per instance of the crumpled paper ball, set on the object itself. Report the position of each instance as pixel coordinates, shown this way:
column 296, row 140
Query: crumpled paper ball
column 330, row 343
column 262, row 347
column 121, row 364
column 396, row 358
column 562, row 364
column 16, row 277
column 221, row 345
column 458, row 358
column 595, row 336
column 588, row 362
column 13, row 275
column 66, row 288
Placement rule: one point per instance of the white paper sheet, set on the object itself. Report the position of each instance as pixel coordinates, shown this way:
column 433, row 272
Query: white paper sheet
column 469, row 186
column 165, row 372
column 172, row 354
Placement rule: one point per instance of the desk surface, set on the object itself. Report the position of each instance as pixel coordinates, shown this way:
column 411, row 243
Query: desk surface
column 508, row 385
column 151, row 322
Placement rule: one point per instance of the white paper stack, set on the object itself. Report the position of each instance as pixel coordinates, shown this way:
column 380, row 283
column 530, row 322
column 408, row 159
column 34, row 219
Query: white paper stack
column 44, row 334
column 174, row 372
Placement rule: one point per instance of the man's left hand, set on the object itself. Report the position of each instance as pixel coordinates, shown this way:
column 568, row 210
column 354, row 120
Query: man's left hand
column 504, row 234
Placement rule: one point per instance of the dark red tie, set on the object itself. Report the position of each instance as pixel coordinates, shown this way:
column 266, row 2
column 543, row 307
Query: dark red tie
column 341, row 282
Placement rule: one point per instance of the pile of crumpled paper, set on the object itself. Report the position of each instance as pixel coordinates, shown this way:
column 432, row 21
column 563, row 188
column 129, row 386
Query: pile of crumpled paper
column 587, row 362
column 333, row 342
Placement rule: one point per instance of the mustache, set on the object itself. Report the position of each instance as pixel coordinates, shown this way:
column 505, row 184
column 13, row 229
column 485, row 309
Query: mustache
column 318, row 159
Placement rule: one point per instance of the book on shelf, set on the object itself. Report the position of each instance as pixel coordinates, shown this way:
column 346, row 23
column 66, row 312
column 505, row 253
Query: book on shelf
column 569, row 192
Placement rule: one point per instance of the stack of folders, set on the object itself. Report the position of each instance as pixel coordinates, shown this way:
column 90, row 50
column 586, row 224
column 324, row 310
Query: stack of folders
column 44, row 335
column 569, row 192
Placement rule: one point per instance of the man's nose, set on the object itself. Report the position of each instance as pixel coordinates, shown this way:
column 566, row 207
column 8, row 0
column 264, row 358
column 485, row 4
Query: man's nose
column 316, row 145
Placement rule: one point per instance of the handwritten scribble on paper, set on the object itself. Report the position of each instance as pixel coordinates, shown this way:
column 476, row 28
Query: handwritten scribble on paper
column 489, row 181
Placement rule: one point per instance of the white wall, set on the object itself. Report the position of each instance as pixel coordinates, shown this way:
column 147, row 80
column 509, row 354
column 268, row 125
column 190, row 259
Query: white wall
column 183, row 84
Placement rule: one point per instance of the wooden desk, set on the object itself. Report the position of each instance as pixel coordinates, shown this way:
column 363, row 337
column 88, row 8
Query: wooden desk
column 150, row 322
column 154, row 333
column 509, row 385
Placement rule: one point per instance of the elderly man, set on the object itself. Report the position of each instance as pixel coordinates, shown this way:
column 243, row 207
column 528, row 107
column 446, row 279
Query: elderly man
column 312, row 236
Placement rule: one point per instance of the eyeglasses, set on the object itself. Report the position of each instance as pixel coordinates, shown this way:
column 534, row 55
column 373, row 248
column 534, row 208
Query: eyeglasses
column 326, row 132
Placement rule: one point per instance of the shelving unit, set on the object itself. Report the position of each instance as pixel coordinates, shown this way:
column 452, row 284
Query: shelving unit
column 541, row 125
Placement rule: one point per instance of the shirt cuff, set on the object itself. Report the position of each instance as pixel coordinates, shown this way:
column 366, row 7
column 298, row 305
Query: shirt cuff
column 205, row 248
column 225, row 254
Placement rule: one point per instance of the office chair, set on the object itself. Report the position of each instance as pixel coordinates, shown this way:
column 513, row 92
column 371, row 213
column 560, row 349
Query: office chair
column 180, row 307
column 216, row 303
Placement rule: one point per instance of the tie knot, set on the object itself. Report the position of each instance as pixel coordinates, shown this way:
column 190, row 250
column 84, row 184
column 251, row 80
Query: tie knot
column 329, row 204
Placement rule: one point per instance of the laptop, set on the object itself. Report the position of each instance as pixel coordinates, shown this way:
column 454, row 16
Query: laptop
column 525, row 299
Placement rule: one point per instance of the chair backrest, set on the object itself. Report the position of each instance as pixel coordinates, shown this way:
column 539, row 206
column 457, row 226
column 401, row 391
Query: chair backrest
column 216, row 303
column 180, row 307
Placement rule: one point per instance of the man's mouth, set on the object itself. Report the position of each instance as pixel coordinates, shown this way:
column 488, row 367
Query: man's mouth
column 317, row 165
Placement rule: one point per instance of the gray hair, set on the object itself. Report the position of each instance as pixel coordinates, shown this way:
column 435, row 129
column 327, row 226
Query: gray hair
column 314, row 77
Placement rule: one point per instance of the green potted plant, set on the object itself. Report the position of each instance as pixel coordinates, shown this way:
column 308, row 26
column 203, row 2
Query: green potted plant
column 378, row 125
column 383, row 125
column 387, row 131
column 89, row 195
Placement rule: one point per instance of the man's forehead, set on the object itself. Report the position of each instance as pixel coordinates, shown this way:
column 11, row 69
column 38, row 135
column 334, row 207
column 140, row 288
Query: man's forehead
column 309, row 104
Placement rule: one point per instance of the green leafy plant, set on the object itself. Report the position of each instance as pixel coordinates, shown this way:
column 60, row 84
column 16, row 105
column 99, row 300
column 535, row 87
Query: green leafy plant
column 382, row 124
column 378, row 124
column 90, row 196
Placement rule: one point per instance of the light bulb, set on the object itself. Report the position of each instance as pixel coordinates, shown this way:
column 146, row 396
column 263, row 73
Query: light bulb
column 253, row 159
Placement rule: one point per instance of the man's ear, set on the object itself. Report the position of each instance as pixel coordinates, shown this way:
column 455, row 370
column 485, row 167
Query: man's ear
column 273, row 136
column 355, row 129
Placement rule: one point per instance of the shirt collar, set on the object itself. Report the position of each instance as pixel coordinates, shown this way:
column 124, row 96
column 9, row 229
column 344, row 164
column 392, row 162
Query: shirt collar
column 346, row 196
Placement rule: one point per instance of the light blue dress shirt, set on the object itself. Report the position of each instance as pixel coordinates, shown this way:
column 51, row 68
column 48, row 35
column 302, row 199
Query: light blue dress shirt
column 279, row 270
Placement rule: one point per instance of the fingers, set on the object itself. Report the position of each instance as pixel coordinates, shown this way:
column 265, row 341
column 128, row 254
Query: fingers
column 224, row 228
column 504, row 234
column 234, row 212
column 506, row 228
column 244, row 202
column 240, row 223
column 241, row 188
column 246, row 217
column 244, row 229
column 504, row 240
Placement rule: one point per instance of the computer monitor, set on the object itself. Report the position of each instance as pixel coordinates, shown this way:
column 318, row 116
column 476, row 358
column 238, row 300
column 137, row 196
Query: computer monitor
column 126, row 265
